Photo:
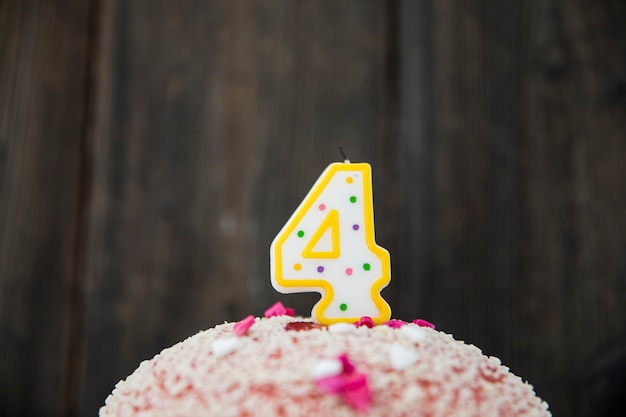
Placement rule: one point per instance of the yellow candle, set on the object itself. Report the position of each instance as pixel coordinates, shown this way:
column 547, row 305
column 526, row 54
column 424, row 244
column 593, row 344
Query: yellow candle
column 328, row 246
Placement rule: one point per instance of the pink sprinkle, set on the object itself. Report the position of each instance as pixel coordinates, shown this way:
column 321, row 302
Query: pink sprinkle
column 347, row 365
column 279, row 309
column 351, row 385
column 354, row 381
column 365, row 321
column 395, row 324
column 424, row 323
column 357, row 393
column 348, row 271
column 242, row 326
column 332, row 384
column 322, row 206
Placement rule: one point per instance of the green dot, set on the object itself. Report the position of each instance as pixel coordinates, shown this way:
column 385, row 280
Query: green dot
column 353, row 199
column 367, row 266
column 343, row 307
column 300, row 233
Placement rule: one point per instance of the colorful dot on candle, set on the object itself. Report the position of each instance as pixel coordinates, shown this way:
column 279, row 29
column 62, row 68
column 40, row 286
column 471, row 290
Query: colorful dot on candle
column 353, row 199
column 349, row 180
column 348, row 271
column 355, row 227
column 367, row 266
column 300, row 233
column 322, row 206
column 320, row 269
column 343, row 307
column 297, row 267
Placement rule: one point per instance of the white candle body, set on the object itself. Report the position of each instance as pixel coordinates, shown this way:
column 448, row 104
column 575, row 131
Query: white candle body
column 328, row 246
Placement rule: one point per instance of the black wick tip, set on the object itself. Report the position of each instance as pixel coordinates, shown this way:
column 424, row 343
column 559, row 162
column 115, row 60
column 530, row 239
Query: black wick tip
column 343, row 154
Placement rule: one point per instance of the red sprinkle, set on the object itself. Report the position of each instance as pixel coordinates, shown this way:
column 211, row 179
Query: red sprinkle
column 365, row 321
column 279, row 309
column 242, row 326
column 302, row 325
column 395, row 324
column 424, row 323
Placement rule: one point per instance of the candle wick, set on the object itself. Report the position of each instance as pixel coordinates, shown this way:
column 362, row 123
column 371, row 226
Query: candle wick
column 343, row 154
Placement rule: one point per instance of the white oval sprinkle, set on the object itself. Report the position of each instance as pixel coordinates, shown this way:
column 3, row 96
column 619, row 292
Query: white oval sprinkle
column 413, row 333
column 401, row 357
column 224, row 346
column 325, row 368
column 341, row 328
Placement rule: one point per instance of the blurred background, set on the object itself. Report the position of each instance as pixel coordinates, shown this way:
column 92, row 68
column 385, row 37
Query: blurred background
column 151, row 150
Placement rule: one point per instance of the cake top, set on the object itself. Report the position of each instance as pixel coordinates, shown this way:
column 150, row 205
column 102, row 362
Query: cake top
column 289, row 366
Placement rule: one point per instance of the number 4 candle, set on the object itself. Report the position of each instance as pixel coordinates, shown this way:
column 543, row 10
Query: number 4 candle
column 328, row 246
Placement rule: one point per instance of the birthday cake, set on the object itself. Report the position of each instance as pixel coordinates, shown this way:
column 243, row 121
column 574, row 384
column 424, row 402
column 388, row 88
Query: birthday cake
column 282, row 365
column 348, row 359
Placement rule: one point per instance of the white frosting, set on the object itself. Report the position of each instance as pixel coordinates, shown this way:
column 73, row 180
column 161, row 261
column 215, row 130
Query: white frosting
column 413, row 333
column 401, row 357
column 342, row 328
column 224, row 346
column 325, row 368
column 271, row 371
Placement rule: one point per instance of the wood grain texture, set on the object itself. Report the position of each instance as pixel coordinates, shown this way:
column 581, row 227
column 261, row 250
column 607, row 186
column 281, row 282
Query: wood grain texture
column 519, row 228
column 151, row 150
column 578, row 228
column 212, row 123
column 43, row 81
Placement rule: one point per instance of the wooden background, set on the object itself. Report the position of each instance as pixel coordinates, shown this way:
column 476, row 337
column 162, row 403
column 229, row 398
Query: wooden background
column 151, row 150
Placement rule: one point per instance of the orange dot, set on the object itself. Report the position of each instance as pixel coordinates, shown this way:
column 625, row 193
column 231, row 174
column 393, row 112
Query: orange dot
column 297, row 267
column 349, row 180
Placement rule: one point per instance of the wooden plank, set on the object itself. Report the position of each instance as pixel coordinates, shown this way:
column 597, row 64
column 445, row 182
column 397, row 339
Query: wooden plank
column 520, row 242
column 479, row 168
column 213, row 120
column 43, row 79
column 414, row 262
column 505, row 223
column 576, row 126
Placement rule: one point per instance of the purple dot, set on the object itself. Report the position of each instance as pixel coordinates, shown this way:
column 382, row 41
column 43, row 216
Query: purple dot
column 320, row 269
column 355, row 227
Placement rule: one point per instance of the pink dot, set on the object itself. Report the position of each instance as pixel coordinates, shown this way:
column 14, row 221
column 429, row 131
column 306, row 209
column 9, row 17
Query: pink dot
column 322, row 206
column 348, row 271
